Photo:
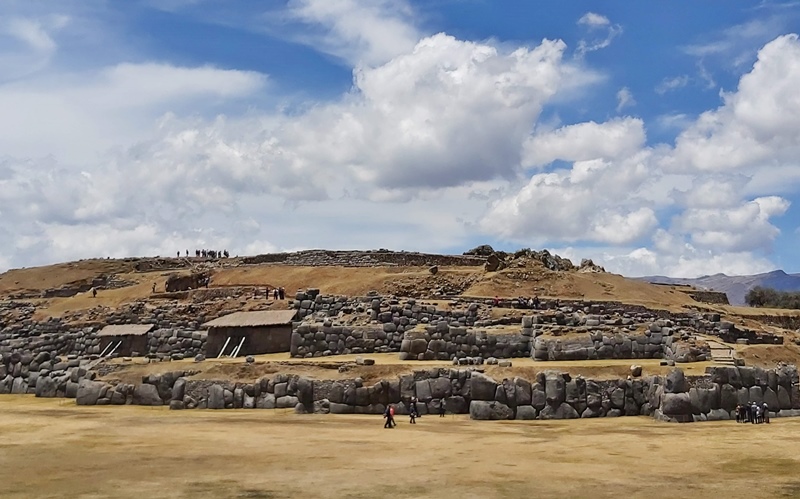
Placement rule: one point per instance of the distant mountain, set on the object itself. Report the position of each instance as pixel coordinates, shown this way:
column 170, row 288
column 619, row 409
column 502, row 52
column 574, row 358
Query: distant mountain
column 736, row 287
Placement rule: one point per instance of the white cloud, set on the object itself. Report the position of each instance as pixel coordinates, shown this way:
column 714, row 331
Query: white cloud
column 616, row 138
column 759, row 124
column 597, row 200
column 624, row 99
column 688, row 262
column 738, row 44
column 674, row 83
column 596, row 22
column 593, row 20
column 427, row 150
column 87, row 113
column 743, row 228
column 27, row 44
column 359, row 31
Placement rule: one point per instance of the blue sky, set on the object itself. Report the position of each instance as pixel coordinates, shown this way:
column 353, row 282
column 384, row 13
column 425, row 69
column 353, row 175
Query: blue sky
column 653, row 137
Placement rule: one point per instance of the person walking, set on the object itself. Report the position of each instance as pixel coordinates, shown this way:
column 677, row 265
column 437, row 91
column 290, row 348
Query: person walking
column 765, row 413
column 441, row 408
column 275, row 294
column 387, row 415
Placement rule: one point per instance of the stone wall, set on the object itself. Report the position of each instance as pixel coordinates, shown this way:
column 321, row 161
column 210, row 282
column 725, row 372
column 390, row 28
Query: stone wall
column 443, row 342
column 174, row 335
column 716, row 395
column 317, row 340
column 598, row 345
column 551, row 395
column 317, row 258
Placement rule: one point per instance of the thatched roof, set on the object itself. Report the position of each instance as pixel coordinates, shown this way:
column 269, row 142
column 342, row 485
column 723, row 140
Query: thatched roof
column 254, row 319
column 125, row 330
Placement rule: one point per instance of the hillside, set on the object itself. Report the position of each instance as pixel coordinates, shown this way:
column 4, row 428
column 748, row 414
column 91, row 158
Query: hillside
column 736, row 287
column 66, row 287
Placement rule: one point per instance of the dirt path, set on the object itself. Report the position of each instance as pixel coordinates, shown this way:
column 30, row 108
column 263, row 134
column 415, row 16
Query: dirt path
column 386, row 366
column 53, row 449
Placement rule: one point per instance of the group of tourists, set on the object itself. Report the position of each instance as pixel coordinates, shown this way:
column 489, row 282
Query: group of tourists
column 413, row 413
column 277, row 294
column 204, row 253
column 752, row 412
column 532, row 303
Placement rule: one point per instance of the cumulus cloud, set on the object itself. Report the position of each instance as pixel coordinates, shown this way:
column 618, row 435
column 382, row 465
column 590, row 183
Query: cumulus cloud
column 438, row 140
column 759, row 123
column 594, row 20
column 596, row 200
column 584, row 141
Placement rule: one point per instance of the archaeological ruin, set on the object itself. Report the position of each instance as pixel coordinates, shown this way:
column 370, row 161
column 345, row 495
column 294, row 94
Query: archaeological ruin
column 460, row 350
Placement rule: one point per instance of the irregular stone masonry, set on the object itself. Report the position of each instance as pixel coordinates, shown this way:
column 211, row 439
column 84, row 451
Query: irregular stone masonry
column 380, row 258
column 551, row 395
column 21, row 335
column 176, row 324
column 317, row 340
column 443, row 342
column 612, row 330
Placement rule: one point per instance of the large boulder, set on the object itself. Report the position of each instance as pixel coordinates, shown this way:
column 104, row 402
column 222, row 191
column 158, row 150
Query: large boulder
column 216, row 397
column 456, row 404
column 718, row 415
column 482, row 387
column 493, row 263
column 728, row 398
column 265, row 401
column 489, row 411
column 525, row 412
column 522, row 392
column 45, row 387
column 756, row 394
column 784, row 400
column 675, row 382
column 562, row 411
column 88, row 392
column 676, row 404
column 617, row 398
column 538, row 397
column 422, row 389
column 340, row 408
column 440, row 388
column 145, row 394
column 555, row 388
column 704, row 399
column 771, row 399
column 178, row 389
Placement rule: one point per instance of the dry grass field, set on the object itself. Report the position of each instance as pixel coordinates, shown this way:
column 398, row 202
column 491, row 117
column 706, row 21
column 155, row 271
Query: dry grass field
column 52, row 449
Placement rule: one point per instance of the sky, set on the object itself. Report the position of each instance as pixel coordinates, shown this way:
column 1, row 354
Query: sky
column 652, row 137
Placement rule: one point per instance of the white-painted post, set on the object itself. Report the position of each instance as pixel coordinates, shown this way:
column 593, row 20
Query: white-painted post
column 115, row 348
column 224, row 347
column 102, row 354
column 236, row 351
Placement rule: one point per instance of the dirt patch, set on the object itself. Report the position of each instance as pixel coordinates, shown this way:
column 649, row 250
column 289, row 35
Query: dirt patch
column 769, row 355
column 386, row 366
